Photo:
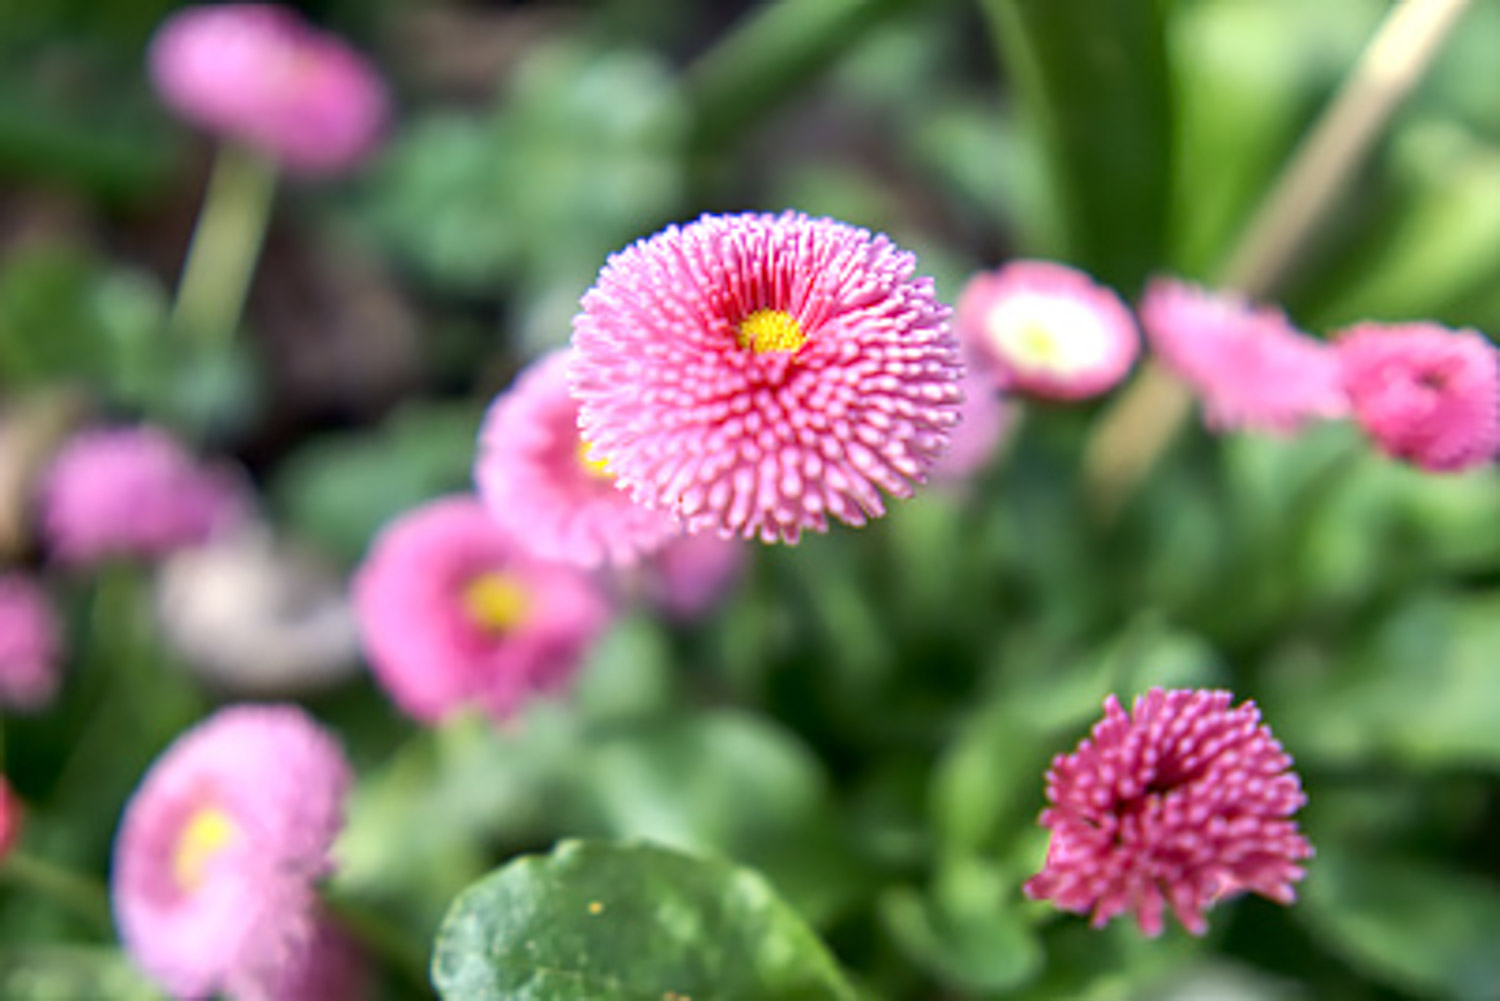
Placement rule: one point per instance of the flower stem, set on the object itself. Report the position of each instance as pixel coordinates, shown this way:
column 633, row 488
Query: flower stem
column 1137, row 429
column 225, row 247
column 381, row 938
column 74, row 891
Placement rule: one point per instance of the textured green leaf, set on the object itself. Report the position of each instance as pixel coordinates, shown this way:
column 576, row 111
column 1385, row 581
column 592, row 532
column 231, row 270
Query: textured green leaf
column 608, row 922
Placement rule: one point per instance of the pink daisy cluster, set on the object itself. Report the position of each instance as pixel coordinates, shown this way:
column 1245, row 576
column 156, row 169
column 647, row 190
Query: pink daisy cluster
column 1179, row 803
column 218, row 856
column 456, row 611
column 259, row 74
column 755, row 374
column 31, row 644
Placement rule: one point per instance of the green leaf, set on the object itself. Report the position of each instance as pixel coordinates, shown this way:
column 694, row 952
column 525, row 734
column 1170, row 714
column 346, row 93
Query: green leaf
column 66, row 973
column 601, row 922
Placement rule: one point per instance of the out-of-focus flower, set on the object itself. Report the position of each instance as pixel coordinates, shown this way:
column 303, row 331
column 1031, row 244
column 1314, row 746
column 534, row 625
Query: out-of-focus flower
column 1180, row 803
column 536, row 477
column 755, row 374
column 217, row 856
column 692, row 573
column 134, row 493
column 12, row 816
column 1424, row 393
column 983, row 420
column 1047, row 330
column 331, row 967
column 455, row 611
column 259, row 74
column 31, row 644
column 256, row 616
column 1252, row 369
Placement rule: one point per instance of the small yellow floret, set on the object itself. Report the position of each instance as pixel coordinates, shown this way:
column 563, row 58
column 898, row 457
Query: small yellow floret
column 203, row 837
column 496, row 602
column 595, row 467
column 771, row 330
column 1039, row 347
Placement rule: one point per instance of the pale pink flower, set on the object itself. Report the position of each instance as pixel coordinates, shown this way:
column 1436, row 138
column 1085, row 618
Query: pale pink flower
column 1180, row 803
column 755, row 374
column 691, row 574
column 259, row 74
column 220, row 849
column 31, row 644
column 983, row 419
column 1425, row 393
column 455, row 611
column 134, row 493
column 1251, row 368
column 539, row 482
column 1044, row 329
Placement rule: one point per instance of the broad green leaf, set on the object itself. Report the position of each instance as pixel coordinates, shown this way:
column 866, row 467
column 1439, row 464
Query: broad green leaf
column 603, row 922
column 67, row 973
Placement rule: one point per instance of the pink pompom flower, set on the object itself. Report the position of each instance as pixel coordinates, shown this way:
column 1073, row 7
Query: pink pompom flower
column 1047, row 330
column 259, row 74
column 31, row 644
column 1424, row 393
column 539, row 481
column 1180, row 803
column 455, row 611
column 134, row 493
column 1252, row 369
column 755, row 374
column 220, row 849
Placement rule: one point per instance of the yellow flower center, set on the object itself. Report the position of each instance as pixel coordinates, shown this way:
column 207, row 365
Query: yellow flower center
column 496, row 601
column 771, row 330
column 204, row 836
column 594, row 467
column 1042, row 334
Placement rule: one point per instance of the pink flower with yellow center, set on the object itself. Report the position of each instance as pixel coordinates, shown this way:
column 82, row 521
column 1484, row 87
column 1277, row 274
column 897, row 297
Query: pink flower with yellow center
column 219, row 852
column 755, row 374
column 455, row 611
column 1179, row 803
column 1044, row 329
column 31, row 644
column 540, row 483
column 1424, row 393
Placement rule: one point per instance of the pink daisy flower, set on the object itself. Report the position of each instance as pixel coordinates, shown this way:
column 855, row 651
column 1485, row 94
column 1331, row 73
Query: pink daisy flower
column 219, row 851
column 1425, row 393
column 983, row 420
column 133, row 493
column 691, row 574
column 259, row 74
column 11, row 817
column 539, row 481
column 1252, row 369
column 1180, row 803
column 455, row 611
column 755, row 374
column 1047, row 330
column 330, row 967
column 31, row 644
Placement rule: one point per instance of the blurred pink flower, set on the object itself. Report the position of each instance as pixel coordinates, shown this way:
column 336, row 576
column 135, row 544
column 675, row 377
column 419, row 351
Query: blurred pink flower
column 12, row 817
column 1425, row 393
column 538, row 481
column 259, row 74
column 1047, row 330
column 983, row 419
column 331, row 967
column 456, row 611
column 691, row 574
column 31, row 644
column 756, row 373
column 1252, row 369
column 1180, row 803
column 133, row 493
column 217, row 856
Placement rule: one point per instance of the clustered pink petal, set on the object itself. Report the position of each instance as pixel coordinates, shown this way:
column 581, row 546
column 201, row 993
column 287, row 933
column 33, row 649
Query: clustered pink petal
column 134, row 493
column 31, row 644
column 1252, row 369
column 533, row 477
column 982, row 422
column 12, row 816
column 259, row 74
column 692, row 573
column 272, row 783
column 755, row 374
column 1424, row 393
column 428, row 645
column 1047, row 330
column 1180, row 803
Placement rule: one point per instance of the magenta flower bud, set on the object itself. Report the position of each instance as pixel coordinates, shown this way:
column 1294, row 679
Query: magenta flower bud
column 12, row 817
column 31, row 644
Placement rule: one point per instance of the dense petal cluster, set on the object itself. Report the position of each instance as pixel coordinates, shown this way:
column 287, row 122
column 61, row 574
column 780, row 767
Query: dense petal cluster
column 755, row 374
column 133, row 493
column 455, row 611
column 31, row 644
column 1179, row 803
column 538, row 480
column 1047, row 330
column 259, row 74
column 1424, row 393
column 1252, row 369
column 218, row 854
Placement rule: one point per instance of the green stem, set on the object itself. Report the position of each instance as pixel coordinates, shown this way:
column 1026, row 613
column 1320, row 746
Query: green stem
column 74, row 891
column 381, row 938
column 225, row 247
